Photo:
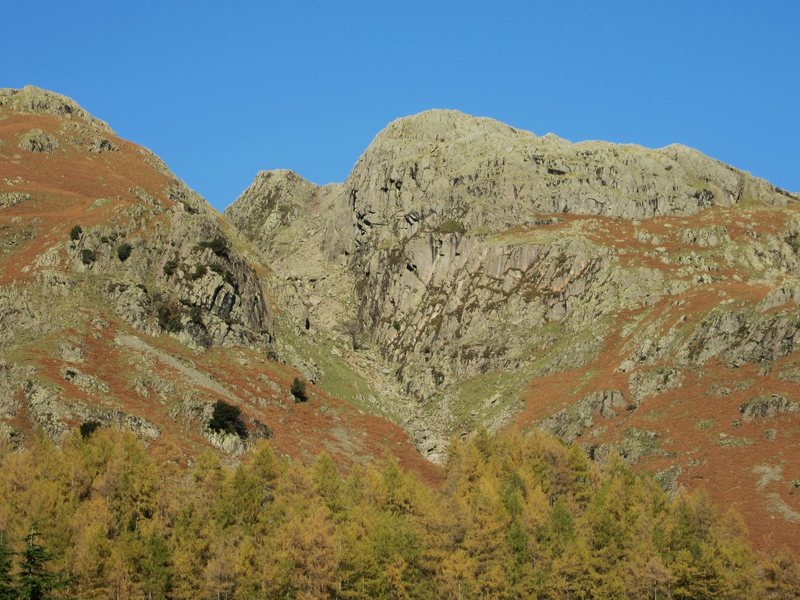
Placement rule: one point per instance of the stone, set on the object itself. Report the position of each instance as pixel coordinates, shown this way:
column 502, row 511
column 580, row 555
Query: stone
column 8, row 199
column 765, row 407
column 570, row 423
column 37, row 140
column 99, row 145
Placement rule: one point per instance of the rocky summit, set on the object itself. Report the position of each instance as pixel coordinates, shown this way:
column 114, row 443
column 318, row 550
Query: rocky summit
column 466, row 275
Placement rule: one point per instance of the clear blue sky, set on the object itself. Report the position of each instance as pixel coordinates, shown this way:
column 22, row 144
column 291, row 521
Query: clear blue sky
column 221, row 92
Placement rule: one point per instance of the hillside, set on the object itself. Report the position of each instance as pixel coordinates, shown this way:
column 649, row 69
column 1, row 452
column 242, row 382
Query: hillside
column 630, row 300
column 127, row 301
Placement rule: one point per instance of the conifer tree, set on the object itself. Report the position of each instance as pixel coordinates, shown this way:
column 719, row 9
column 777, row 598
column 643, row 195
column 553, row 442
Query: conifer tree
column 36, row 581
column 7, row 588
column 155, row 568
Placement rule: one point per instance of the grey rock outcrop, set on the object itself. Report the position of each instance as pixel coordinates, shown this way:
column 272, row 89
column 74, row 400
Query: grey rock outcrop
column 741, row 337
column 647, row 383
column 31, row 99
column 183, row 274
column 13, row 198
column 37, row 140
column 765, row 407
column 571, row 422
column 274, row 200
column 100, row 248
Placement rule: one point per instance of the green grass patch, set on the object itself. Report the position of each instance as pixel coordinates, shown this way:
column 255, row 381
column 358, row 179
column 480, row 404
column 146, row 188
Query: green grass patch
column 734, row 442
column 338, row 378
column 705, row 424
column 482, row 397
column 451, row 226
column 655, row 415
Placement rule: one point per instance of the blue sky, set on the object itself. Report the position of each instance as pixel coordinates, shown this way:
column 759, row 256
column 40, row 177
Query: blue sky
column 222, row 90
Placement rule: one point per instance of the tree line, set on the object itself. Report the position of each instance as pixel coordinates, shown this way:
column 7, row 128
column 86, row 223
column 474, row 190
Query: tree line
column 517, row 516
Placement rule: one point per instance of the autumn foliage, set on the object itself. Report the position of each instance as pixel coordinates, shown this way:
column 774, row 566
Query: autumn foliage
column 517, row 517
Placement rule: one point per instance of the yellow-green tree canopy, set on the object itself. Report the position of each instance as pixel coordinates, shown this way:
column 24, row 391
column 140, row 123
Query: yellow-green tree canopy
column 517, row 517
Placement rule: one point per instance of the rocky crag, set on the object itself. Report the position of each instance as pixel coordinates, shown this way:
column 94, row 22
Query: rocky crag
column 631, row 300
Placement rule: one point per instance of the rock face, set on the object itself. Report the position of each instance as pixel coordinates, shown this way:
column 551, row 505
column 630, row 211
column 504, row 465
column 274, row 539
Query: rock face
column 443, row 165
column 200, row 289
column 571, row 422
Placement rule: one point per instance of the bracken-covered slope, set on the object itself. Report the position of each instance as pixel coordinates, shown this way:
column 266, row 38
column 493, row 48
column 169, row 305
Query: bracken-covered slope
column 632, row 300
column 126, row 300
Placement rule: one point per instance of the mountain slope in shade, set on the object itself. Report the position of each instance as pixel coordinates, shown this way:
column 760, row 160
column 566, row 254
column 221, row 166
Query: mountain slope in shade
column 627, row 299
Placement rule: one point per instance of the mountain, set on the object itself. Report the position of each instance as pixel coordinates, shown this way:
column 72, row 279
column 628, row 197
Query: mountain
column 127, row 301
column 465, row 276
column 626, row 299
